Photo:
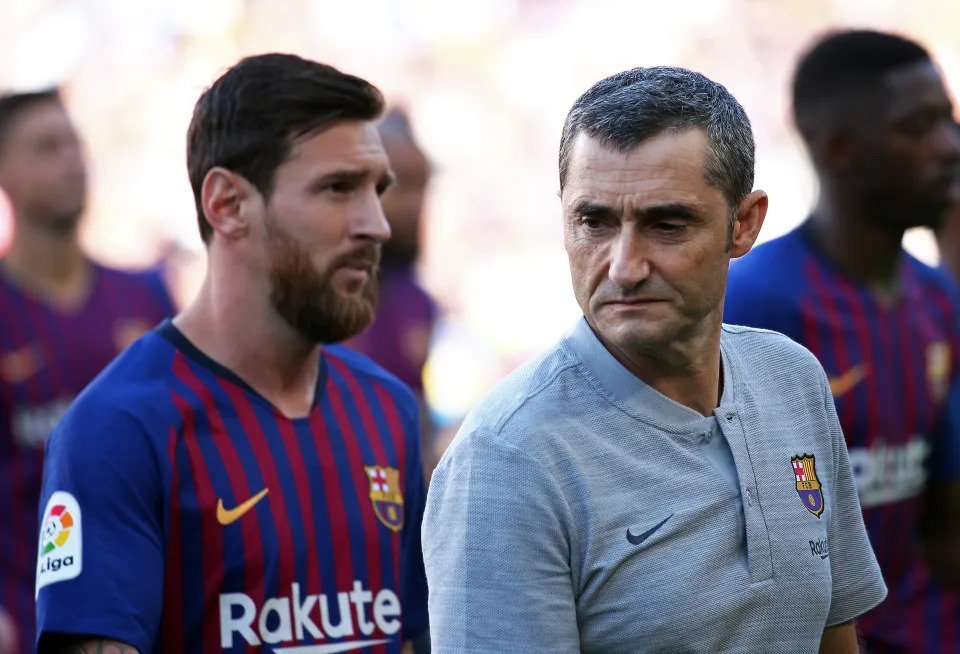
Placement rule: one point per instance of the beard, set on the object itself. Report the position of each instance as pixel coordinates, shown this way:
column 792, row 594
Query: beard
column 305, row 297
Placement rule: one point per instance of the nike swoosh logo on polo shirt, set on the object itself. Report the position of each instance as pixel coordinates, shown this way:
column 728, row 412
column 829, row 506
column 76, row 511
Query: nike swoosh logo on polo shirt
column 227, row 516
column 636, row 540
column 846, row 382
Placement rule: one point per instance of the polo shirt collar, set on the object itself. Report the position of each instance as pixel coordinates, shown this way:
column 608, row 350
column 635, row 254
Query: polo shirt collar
column 631, row 394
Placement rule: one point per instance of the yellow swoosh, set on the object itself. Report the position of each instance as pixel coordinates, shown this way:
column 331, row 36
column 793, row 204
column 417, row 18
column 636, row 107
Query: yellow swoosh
column 845, row 383
column 225, row 517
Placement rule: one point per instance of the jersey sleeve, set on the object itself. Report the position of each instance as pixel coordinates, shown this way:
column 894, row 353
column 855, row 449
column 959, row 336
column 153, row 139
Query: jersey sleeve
column 413, row 576
column 100, row 564
column 497, row 553
column 857, row 581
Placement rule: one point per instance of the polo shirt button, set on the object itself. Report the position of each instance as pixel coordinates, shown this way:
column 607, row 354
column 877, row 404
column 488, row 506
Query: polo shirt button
column 730, row 416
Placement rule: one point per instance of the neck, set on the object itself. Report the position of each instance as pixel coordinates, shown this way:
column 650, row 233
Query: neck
column 688, row 371
column 50, row 264
column 856, row 242
column 231, row 325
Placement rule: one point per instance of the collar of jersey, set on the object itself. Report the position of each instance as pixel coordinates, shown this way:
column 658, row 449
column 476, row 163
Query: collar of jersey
column 634, row 396
column 168, row 331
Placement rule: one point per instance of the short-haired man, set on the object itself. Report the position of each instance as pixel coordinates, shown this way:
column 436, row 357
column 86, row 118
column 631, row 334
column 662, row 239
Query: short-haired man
column 878, row 124
column 233, row 482
column 63, row 318
column 658, row 481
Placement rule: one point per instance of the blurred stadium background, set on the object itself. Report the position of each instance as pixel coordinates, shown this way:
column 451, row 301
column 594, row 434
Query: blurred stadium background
column 487, row 84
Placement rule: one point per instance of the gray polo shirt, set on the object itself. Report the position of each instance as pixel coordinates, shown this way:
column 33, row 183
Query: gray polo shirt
column 579, row 510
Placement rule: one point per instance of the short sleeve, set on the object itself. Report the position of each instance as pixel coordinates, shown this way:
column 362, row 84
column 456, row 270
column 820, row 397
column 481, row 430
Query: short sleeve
column 497, row 553
column 100, row 564
column 857, row 581
column 413, row 576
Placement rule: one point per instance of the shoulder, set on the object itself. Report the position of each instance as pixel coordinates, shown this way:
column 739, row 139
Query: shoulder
column 370, row 375
column 931, row 281
column 129, row 396
column 765, row 288
column 530, row 403
column 762, row 353
column 144, row 278
column 770, row 266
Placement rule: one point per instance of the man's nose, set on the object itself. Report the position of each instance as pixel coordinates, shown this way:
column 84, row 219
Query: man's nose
column 369, row 221
column 629, row 264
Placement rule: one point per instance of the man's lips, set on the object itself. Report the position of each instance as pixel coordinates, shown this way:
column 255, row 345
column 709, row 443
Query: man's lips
column 631, row 302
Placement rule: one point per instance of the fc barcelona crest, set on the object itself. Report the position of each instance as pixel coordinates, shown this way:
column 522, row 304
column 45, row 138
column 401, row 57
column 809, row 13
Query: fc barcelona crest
column 808, row 486
column 386, row 495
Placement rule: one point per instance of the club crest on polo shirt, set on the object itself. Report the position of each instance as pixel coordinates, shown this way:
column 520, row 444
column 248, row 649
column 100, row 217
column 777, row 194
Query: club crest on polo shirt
column 808, row 486
column 60, row 556
column 386, row 496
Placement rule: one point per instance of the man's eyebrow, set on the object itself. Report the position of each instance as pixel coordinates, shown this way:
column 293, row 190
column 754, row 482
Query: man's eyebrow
column 592, row 208
column 669, row 210
column 355, row 176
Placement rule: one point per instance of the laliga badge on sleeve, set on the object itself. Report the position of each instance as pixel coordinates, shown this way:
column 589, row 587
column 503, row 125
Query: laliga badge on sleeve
column 61, row 544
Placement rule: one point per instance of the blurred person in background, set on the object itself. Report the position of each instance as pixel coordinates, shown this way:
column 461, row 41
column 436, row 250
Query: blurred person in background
column 235, row 480
column 399, row 338
column 62, row 319
column 633, row 489
column 877, row 122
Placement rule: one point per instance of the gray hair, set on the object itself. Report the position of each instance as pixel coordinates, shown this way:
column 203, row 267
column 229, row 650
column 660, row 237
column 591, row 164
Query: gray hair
column 626, row 109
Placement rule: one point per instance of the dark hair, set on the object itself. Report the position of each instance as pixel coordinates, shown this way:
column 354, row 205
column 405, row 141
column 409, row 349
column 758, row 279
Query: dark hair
column 845, row 66
column 13, row 105
column 630, row 107
column 249, row 118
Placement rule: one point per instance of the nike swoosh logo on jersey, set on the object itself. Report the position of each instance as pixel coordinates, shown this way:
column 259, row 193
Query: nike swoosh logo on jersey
column 329, row 649
column 227, row 516
column 636, row 540
column 846, row 382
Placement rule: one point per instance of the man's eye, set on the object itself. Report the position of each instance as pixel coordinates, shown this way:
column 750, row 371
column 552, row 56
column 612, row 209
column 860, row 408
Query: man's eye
column 342, row 187
column 590, row 222
column 670, row 228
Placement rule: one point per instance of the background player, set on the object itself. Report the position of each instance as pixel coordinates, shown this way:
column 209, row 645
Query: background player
column 878, row 124
column 278, row 489
column 399, row 338
column 64, row 318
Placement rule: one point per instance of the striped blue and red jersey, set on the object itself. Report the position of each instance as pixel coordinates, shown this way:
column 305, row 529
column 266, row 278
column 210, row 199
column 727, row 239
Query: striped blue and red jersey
column 893, row 369
column 201, row 519
column 47, row 356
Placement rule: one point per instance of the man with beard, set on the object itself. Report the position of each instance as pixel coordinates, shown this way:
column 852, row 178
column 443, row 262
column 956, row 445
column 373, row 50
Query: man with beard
column 877, row 121
column 236, row 480
column 64, row 318
column 399, row 338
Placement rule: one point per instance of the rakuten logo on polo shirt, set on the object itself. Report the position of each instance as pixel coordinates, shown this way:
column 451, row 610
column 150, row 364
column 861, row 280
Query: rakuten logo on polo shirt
column 291, row 619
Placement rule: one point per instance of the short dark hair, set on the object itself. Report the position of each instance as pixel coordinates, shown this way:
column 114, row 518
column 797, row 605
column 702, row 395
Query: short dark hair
column 249, row 118
column 630, row 107
column 14, row 105
column 845, row 66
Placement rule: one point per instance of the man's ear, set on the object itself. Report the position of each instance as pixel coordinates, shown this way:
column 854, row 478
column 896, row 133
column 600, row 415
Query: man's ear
column 750, row 214
column 221, row 196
